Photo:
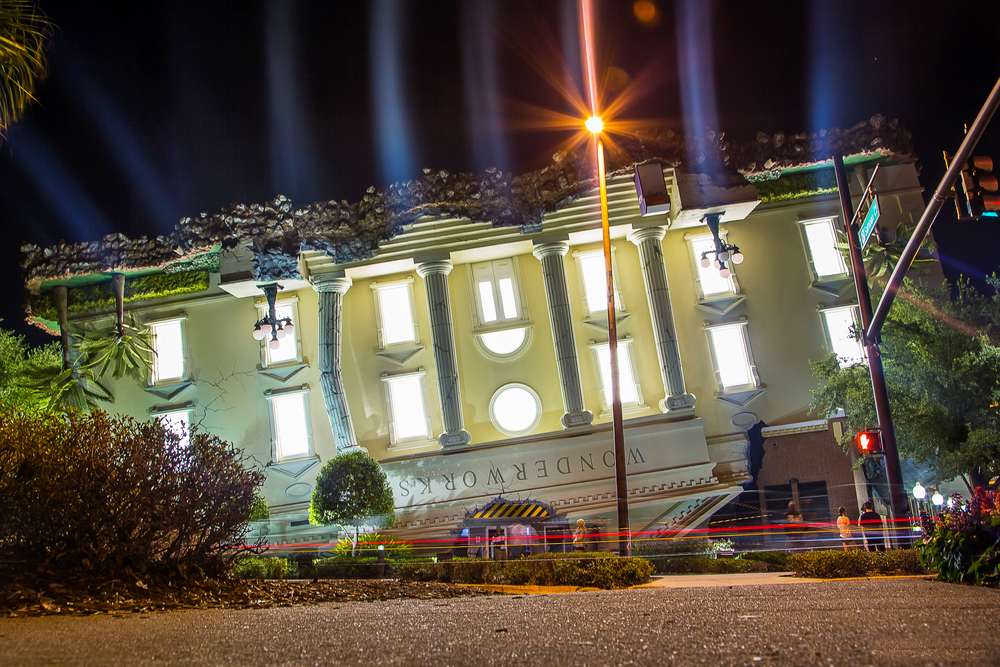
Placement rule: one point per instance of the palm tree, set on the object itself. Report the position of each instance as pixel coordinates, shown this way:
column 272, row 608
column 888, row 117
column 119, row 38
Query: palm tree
column 23, row 36
column 881, row 254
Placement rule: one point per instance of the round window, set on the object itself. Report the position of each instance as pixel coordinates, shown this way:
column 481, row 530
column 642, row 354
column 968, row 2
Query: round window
column 504, row 345
column 515, row 409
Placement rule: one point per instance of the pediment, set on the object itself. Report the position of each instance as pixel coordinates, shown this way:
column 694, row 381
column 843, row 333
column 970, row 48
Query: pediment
column 720, row 307
column 400, row 355
column 832, row 288
column 282, row 373
column 170, row 392
column 294, row 469
column 740, row 398
column 600, row 321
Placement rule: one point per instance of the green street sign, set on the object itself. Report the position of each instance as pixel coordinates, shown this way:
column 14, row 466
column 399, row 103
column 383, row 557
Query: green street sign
column 869, row 224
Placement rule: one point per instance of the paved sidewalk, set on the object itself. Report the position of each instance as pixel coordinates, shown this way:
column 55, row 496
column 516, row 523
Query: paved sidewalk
column 901, row 622
column 744, row 579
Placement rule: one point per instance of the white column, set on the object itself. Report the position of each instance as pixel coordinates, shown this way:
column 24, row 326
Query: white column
column 331, row 289
column 654, row 275
column 435, row 275
column 561, row 317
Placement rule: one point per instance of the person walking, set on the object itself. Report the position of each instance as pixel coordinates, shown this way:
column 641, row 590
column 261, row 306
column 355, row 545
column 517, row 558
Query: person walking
column 580, row 536
column 794, row 527
column 870, row 523
column 844, row 525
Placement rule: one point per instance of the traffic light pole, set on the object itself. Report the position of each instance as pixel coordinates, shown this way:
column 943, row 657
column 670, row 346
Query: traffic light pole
column 897, row 495
column 942, row 193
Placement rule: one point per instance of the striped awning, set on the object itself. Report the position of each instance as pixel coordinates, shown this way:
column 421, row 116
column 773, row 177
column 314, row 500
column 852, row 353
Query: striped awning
column 502, row 509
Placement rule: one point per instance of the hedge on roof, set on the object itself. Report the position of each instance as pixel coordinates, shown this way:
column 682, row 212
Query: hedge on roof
column 137, row 288
column 795, row 186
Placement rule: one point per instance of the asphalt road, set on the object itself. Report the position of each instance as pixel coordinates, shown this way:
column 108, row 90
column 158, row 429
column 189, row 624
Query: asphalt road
column 907, row 622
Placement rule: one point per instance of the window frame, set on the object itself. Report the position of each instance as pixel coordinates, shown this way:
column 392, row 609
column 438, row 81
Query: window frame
column 427, row 438
column 377, row 289
column 579, row 256
column 856, row 317
column 624, row 347
column 154, row 379
column 273, row 395
column 832, row 221
column 754, row 382
column 538, row 405
column 522, row 321
column 265, row 351
column 696, row 268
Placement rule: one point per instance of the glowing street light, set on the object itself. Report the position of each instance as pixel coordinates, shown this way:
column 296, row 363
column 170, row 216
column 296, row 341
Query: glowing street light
column 594, row 124
column 937, row 499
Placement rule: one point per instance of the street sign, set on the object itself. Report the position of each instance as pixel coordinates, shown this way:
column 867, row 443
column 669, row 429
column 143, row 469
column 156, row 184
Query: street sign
column 869, row 224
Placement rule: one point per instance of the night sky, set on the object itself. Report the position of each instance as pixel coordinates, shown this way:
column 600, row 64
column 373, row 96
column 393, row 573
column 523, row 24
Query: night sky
column 156, row 111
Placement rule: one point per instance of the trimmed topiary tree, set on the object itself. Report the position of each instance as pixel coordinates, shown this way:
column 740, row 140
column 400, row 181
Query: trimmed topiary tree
column 352, row 492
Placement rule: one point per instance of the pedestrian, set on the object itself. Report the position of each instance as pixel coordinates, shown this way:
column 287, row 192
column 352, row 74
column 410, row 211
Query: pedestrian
column 870, row 523
column 794, row 524
column 580, row 536
column 844, row 525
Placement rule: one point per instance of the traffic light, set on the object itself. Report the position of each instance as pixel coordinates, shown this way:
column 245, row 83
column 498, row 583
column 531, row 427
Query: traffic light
column 869, row 442
column 980, row 187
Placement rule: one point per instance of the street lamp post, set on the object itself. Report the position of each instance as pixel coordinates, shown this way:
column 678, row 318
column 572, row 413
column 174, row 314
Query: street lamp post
column 595, row 125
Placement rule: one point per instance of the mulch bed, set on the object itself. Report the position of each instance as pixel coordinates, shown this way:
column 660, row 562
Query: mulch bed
column 118, row 598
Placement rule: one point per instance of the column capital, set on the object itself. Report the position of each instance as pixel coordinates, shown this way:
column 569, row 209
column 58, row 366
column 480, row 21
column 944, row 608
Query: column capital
column 331, row 282
column 655, row 232
column 543, row 250
column 442, row 266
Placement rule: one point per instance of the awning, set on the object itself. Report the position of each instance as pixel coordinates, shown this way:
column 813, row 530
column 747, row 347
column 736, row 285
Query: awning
column 502, row 509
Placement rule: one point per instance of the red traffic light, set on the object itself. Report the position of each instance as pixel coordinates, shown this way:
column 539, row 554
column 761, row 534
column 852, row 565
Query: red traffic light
column 869, row 442
column 977, row 182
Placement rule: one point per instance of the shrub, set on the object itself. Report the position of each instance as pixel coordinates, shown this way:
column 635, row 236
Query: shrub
column 259, row 510
column 672, row 546
column 115, row 495
column 665, row 565
column 777, row 561
column 837, row 564
column 963, row 541
column 601, row 570
column 265, row 568
column 367, row 546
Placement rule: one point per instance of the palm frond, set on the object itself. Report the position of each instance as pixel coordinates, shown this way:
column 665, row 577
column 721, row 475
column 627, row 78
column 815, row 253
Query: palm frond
column 24, row 34
column 121, row 352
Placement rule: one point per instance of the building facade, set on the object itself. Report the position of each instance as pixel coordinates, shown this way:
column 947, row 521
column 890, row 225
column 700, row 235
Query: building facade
column 471, row 358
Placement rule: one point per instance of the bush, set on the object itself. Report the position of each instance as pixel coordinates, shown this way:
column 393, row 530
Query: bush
column 265, row 568
column 837, row 564
column 600, row 570
column 963, row 542
column 368, row 545
column 777, row 561
column 118, row 496
column 259, row 510
column 666, row 565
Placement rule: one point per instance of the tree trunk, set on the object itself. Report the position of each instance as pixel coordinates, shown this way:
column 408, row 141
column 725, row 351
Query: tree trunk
column 977, row 478
column 59, row 292
column 118, row 283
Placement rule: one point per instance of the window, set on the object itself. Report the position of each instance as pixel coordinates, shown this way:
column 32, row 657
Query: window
column 177, row 421
column 627, row 382
column 710, row 283
column 290, row 428
column 406, row 397
column 839, row 323
column 734, row 367
column 515, row 409
column 593, row 281
column 500, row 317
column 288, row 345
column 168, row 344
column 821, row 244
column 394, row 313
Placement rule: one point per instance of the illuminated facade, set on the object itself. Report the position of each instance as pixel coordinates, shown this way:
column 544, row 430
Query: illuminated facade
column 471, row 358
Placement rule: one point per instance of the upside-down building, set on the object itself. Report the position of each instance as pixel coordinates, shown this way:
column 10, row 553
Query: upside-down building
column 455, row 327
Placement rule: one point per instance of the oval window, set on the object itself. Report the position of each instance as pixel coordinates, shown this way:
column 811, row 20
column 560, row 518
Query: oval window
column 515, row 409
column 504, row 345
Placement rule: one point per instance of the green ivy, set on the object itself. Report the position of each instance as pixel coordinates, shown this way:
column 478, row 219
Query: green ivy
column 137, row 288
column 796, row 186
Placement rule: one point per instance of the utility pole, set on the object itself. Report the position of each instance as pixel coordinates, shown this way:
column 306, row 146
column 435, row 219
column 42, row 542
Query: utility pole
column 897, row 495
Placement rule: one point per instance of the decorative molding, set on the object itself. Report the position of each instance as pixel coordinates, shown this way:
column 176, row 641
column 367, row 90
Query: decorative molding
column 282, row 373
column 599, row 321
column 294, row 468
column 400, row 355
column 791, row 429
column 720, row 307
column 170, row 392
column 740, row 398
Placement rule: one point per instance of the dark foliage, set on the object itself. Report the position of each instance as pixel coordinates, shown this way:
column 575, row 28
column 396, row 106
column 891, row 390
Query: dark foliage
column 856, row 563
column 963, row 541
column 118, row 498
